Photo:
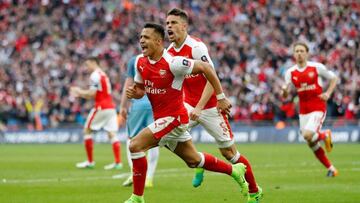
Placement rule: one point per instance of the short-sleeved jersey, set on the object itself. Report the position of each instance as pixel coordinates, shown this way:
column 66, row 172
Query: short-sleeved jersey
column 194, row 84
column 136, row 104
column 308, row 84
column 101, row 83
column 163, row 81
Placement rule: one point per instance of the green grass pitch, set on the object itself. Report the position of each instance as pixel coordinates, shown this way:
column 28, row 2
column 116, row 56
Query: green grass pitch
column 286, row 172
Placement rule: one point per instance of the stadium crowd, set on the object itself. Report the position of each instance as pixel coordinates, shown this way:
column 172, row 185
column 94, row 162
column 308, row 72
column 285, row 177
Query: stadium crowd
column 43, row 45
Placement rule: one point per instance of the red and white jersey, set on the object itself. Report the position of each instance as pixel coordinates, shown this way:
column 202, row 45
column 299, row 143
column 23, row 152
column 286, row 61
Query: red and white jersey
column 100, row 82
column 194, row 84
column 163, row 81
column 308, row 84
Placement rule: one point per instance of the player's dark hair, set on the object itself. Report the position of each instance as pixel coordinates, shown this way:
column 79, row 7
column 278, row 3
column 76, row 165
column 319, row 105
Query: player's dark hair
column 179, row 12
column 93, row 59
column 302, row 44
column 158, row 29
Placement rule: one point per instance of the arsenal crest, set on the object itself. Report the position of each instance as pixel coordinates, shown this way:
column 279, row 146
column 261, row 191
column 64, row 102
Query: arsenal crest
column 162, row 72
column 311, row 74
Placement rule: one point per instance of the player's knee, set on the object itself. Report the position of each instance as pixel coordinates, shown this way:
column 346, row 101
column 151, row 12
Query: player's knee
column 192, row 163
column 86, row 131
column 228, row 153
column 308, row 135
column 111, row 135
column 134, row 147
column 312, row 144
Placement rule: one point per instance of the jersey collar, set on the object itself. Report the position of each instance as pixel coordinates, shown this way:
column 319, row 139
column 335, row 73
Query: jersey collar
column 301, row 69
column 182, row 45
column 153, row 61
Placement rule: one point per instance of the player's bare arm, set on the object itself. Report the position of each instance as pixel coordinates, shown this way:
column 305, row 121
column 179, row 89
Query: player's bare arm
column 224, row 104
column 135, row 91
column 83, row 93
column 285, row 90
column 124, row 103
column 206, row 95
column 326, row 95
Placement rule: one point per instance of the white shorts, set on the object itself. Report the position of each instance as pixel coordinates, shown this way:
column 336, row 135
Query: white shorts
column 170, row 131
column 216, row 124
column 312, row 121
column 105, row 118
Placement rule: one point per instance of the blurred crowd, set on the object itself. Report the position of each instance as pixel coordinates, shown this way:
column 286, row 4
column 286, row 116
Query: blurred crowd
column 43, row 45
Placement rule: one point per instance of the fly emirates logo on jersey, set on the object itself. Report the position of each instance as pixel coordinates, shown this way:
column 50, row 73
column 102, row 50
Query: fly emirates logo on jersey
column 306, row 87
column 150, row 89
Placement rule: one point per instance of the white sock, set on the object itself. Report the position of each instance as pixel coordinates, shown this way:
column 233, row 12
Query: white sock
column 128, row 153
column 315, row 137
column 235, row 159
column 315, row 147
column 202, row 161
column 332, row 168
column 87, row 136
column 152, row 158
column 114, row 139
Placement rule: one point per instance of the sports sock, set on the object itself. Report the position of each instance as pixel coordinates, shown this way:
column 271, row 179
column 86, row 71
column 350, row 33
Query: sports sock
column 320, row 155
column 318, row 136
column 249, row 176
column 139, row 172
column 116, row 147
column 211, row 163
column 89, row 147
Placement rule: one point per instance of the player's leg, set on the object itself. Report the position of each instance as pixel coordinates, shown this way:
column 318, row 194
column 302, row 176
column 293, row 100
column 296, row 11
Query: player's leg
column 179, row 141
column 111, row 126
column 128, row 181
column 138, row 146
column 88, row 141
column 89, row 148
column 137, row 120
column 199, row 172
column 186, row 151
column 321, row 156
column 116, row 148
column 153, row 153
column 234, row 156
column 218, row 126
column 312, row 129
column 152, row 157
column 310, row 125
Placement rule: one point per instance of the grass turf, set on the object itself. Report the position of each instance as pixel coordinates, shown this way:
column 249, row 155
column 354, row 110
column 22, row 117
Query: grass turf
column 286, row 172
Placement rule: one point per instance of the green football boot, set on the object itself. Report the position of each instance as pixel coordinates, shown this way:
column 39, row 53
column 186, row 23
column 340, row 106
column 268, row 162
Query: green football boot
column 238, row 172
column 198, row 177
column 255, row 197
column 135, row 199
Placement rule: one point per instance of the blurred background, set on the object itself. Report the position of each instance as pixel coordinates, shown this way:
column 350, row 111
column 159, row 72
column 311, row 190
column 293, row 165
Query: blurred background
column 43, row 44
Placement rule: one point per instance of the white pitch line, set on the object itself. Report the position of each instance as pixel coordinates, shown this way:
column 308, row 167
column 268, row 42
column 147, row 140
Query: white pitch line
column 160, row 171
column 170, row 172
column 72, row 179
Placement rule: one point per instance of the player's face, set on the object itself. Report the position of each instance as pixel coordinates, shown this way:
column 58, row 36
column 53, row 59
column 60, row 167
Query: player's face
column 176, row 28
column 150, row 41
column 300, row 54
column 90, row 65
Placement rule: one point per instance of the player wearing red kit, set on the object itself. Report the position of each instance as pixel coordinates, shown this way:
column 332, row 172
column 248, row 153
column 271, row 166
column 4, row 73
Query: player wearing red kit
column 306, row 77
column 103, row 115
column 201, row 101
column 161, row 77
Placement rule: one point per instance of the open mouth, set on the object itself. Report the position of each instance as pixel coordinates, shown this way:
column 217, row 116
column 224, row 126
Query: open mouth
column 144, row 48
column 170, row 33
